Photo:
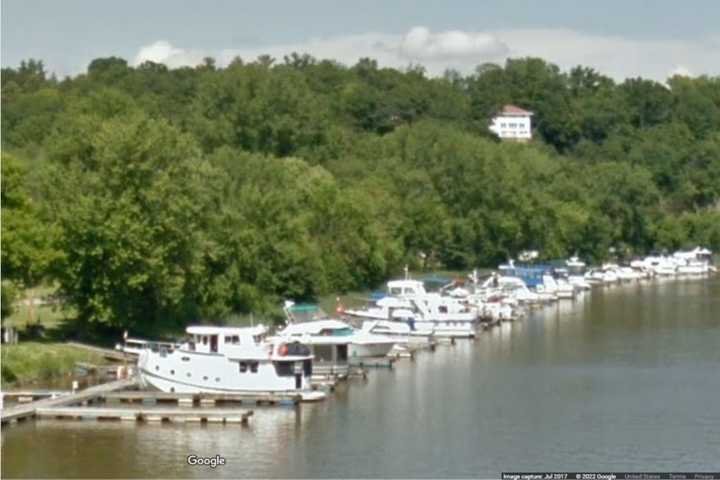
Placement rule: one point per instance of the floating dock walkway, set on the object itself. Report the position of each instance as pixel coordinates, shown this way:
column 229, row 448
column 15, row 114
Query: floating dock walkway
column 28, row 410
column 174, row 415
column 203, row 399
column 105, row 352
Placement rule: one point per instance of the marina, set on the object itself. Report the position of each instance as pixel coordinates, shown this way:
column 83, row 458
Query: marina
column 592, row 362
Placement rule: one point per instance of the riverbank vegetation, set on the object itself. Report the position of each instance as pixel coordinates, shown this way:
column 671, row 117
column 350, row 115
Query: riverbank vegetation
column 154, row 197
column 34, row 361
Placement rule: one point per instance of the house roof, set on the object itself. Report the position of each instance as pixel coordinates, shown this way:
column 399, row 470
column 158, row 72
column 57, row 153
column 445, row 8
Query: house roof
column 513, row 110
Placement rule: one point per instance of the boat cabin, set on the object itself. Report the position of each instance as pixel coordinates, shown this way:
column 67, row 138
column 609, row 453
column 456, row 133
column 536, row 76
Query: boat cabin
column 329, row 342
column 402, row 288
column 204, row 339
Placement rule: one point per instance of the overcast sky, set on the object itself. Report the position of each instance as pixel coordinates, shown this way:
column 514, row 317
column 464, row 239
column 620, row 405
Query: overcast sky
column 620, row 38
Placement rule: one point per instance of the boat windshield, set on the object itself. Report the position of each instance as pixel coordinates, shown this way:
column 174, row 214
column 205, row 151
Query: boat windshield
column 305, row 313
column 337, row 332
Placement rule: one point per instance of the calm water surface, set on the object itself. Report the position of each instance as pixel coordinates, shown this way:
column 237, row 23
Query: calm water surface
column 626, row 378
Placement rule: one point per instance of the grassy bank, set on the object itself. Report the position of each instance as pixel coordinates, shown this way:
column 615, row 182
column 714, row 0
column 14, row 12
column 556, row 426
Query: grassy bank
column 32, row 361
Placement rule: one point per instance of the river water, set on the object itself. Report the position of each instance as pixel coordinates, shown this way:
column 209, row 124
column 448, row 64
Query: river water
column 625, row 378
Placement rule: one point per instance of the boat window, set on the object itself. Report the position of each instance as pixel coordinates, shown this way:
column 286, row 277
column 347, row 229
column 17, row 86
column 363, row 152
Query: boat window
column 323, row 353
column 307, row 368
column 191, row 346
column 205, row 378
column 338, row 332
column 253, row 367
column 217, row 379
column 284, row 369
column 443, row 309
column 243, row 367
column 228, row 339
column 189, row 375
column 342, row 353
column 185, row 359
column 298, row 349
column 172, row 372
column 395, row 291
column 204, row 340
column 236, row 339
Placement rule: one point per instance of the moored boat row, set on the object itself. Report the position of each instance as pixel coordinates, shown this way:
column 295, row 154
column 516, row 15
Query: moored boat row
column 216, row 359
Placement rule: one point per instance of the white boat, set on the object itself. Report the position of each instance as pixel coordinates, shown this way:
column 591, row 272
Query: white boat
column 574, row 273
column 399, row 331
column 693, row 267
column 229, row 360
column 664, row 267
column 563, row 289
column 426, row 313
column 360, row 344
column 444, row 315
column 574, row 263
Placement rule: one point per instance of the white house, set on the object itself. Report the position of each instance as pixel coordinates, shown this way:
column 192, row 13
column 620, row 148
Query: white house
column 513, row 123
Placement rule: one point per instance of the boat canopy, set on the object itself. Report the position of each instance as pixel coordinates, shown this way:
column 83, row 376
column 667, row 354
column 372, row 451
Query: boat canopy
column 319, row 327
column 239, row 331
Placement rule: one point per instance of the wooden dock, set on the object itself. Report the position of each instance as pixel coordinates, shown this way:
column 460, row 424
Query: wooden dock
column 85, row 368
column 203, row 399
column 25, row 396
column 28, row 410
column 174, row 415
column 107, row 353
column 380, row 362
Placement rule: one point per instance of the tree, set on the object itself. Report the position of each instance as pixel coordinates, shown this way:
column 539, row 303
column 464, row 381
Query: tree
column 135, row 224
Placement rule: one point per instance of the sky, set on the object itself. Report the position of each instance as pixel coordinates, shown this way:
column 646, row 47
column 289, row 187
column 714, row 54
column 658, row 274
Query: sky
column 620, row 38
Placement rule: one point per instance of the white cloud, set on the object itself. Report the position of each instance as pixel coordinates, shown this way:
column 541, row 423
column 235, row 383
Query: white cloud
column 421, row 44
column 616, row 56
column 173, row 57
column 680, row 70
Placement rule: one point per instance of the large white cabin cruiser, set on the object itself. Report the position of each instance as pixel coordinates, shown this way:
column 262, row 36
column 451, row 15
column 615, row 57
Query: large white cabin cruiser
column 361, row 344
column 397, row 311
column 398, row 330
column 426, row 313
column 446, row 316
column 229, row 360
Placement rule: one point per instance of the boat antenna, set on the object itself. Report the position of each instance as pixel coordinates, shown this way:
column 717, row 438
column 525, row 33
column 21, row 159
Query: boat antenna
column 407, row 272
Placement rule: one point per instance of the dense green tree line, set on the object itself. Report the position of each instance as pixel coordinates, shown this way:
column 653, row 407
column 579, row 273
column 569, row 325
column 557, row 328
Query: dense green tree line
column 156, row 196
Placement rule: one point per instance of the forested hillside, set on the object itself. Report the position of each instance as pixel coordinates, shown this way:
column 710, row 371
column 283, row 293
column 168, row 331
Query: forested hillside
column 152, row 195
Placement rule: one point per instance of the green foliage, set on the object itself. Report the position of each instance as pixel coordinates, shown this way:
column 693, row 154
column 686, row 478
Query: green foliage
column 138, row 210
column 8, row 295
column 29, row 361
column 155, row 197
